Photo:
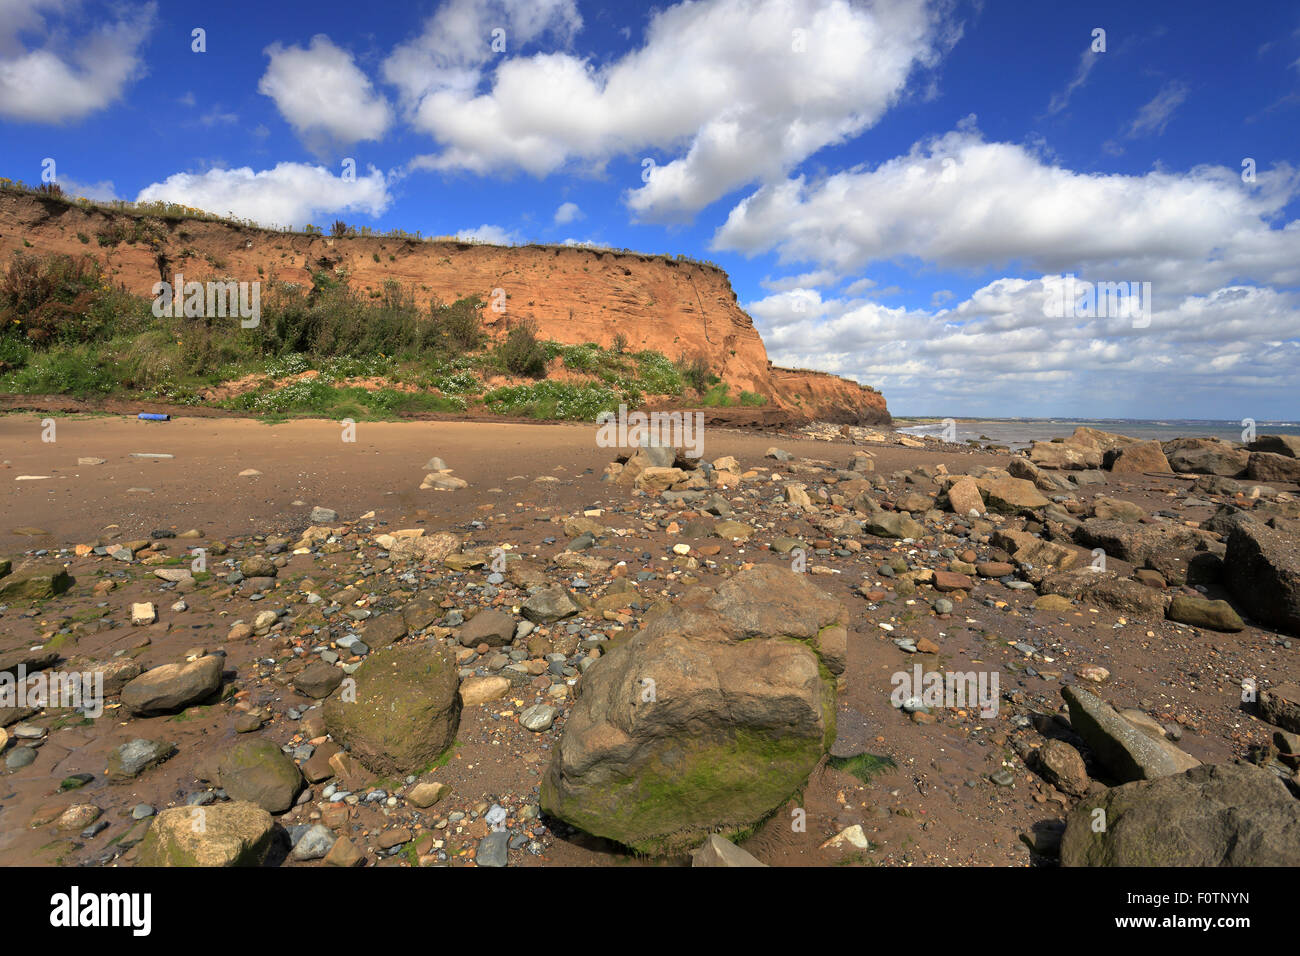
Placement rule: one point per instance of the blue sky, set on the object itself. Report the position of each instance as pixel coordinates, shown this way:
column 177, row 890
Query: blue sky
column 896, row 187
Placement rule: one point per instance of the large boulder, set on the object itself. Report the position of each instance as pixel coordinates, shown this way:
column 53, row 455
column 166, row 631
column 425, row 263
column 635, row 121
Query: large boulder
column 261, row 773
column 1206, row 456
column 1043, row 479
column 1039, row 553
column 113, row 674
column 893, row 524
column 1009, row 495
column 423, row 549
column 1096, row 438
column 258, row 566
column 1280, row 706
column 1217, row 485
column 1062, row 766
column 317, row 680
column 647, row 456
column 1266, row 466
column 1125, row 750
column 403, row 711
column 27, row 659
column 1106, row 589
column 173, row 687
column 480, row 690
column 964, row 497
column 1200, row 612
column 1212, row 815
column 1262, row 569
column 1138, row 458
column 1114, row 509
column 224, row 834
column 708, row 719
column 1136, row 543
column 135, row 757
column 388, row 628
column 1288, row 445
column 549, row 604
column 1064, row 455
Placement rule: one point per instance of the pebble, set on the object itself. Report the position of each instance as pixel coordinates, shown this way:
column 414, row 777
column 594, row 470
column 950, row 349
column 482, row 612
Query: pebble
column 492, row 850
column 538, row 717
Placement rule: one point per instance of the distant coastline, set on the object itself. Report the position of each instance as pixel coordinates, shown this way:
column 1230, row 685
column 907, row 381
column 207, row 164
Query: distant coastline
column 1020, row 432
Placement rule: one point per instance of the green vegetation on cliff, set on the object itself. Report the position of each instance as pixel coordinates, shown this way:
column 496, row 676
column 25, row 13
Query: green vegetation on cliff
column 323, row 350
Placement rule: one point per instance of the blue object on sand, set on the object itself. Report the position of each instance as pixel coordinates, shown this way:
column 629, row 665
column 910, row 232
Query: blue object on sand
column 153, row 417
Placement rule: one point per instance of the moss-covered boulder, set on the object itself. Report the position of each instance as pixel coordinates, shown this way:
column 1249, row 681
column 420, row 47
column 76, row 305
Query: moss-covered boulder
column 224, row 834
column 34, row 581
column 402, row 712
column 708, row 719
column 1212, row 815
column 259, row 772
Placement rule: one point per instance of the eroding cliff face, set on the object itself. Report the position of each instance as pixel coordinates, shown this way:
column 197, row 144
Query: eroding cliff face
column 827, row 397
column 574, row 294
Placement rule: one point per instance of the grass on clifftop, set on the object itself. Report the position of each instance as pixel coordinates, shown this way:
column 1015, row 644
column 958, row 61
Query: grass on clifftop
column 148, row 223
column 321, row 350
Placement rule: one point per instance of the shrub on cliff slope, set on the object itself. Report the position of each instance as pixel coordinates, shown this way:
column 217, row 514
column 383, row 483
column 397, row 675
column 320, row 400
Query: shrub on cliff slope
column 44, row 300
column 521, row 353
column 696, row 373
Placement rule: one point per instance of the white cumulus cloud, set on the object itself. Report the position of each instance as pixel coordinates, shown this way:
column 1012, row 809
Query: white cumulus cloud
column 1229, row 352
column 288, row 194
column 960, row 202
column 324, row 95
column 78, row 69
column 734, row 91
column 1221, row 338
column 493, row 235
column 567, row 212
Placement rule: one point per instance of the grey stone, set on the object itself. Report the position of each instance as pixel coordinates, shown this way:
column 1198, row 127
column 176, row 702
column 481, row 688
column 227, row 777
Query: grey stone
column 317, row 841
column 1124, row 750
column 493, row 850
column 549, row 604
column 538, row 718
column 136, row 756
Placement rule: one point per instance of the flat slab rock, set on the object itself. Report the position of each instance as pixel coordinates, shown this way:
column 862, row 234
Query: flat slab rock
column 1126, row 752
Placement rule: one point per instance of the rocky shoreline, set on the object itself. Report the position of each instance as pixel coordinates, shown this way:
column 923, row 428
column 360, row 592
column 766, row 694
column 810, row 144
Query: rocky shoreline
column 689, row 660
